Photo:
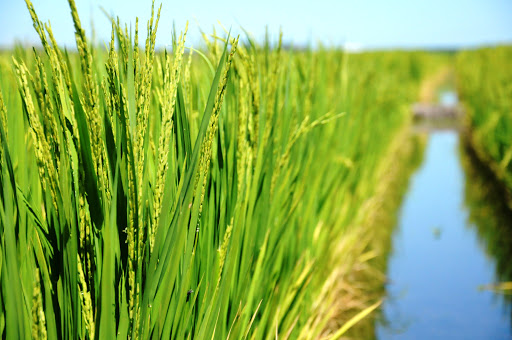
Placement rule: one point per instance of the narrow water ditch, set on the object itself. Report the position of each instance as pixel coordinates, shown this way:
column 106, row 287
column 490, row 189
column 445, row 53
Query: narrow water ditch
column 452, row 237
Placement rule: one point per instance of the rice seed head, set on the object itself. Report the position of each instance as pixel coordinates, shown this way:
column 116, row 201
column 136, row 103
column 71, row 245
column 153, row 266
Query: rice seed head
column 3, row 119
column 187, row 83
column 170, row 86
column 38, row 25
column 206, row 153
column 136, row 49
column 38, row 316
column 243, row 147
column 47, row 172
column 58, row 62
column 90, row 99
column 143, row 88
column 45, row 103
column 223, row 251
column 85, row 299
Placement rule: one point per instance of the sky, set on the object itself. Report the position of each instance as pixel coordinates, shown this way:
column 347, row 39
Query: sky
column 367, row 24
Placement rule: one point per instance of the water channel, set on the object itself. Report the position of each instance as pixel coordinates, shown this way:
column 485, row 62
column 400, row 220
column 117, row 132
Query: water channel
column 454, row 234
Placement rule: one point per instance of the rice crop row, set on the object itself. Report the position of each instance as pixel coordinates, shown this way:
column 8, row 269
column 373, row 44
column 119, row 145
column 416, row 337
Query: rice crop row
column 190, row 194
column 484, row 79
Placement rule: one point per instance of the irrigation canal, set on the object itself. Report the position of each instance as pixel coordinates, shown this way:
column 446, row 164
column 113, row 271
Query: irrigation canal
column 453, row 236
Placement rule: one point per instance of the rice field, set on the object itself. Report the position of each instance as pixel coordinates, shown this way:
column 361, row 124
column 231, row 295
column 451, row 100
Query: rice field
column 234, row 191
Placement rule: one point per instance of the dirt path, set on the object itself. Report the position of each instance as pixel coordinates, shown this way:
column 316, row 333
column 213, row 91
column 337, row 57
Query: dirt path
column 430, row 86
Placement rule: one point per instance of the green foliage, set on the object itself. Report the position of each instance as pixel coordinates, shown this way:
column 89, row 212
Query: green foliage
column 187, row 195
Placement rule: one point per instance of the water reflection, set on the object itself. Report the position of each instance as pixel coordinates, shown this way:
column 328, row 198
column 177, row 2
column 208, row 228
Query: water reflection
column 489, row 215
column 442, row 252
column 448, row 98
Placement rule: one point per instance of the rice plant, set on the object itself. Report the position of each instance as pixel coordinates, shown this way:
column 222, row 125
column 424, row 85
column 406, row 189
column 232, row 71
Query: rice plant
column 190, row 194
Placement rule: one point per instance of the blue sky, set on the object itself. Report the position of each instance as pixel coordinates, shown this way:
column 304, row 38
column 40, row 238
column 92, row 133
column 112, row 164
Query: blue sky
column 366, row 23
